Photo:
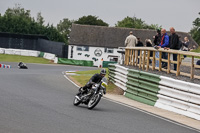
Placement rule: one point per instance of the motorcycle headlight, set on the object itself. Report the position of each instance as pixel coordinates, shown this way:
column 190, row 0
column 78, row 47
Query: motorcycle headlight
column 104, row 85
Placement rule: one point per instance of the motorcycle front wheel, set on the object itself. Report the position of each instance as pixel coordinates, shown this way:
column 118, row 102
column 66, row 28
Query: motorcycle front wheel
column 94, row 101
column 76, row 101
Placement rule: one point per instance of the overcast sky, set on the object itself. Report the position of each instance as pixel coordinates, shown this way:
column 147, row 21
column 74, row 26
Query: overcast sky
column 169, row 13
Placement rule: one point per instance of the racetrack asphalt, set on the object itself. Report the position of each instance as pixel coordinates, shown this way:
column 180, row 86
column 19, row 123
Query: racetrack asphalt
column 40, row 100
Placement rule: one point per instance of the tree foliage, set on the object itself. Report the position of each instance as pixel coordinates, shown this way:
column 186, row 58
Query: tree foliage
column 64, row 27
column 91, row 20
column 137, row 23
column 18, row 20
column 195, row 31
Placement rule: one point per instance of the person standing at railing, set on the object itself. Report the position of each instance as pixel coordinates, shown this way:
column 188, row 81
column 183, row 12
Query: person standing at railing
column 157, row 38
column 174, row 44
column 149, row 44
column 131, row 40
column 157, row 41
column 186, row 43
column 139, row 44
column 164, row 44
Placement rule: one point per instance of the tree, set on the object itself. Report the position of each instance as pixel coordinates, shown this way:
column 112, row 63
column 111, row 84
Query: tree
column 64, row 27
column 18, row 20
column 40, row 19
column 91, row 20
column 195, row 31
column 137, row 23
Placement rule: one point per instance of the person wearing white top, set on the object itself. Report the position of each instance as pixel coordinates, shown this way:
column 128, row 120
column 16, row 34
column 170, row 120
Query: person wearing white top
column 131, row 40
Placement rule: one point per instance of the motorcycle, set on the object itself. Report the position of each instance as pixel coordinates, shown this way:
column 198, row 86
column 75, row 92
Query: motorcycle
column 91, row 96
column 22, row 65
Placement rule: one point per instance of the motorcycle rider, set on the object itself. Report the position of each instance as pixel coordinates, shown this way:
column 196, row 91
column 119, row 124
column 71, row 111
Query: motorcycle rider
column 96, row 78
column 20, row 64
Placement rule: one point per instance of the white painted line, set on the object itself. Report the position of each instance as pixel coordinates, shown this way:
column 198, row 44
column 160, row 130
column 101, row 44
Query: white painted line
column 129, row 106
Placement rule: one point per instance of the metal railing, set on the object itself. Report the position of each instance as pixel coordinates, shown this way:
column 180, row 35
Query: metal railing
column 147, row 54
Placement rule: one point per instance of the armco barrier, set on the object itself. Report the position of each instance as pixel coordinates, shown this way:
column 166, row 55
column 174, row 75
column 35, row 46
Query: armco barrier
column 142, row 87
column 163, row 92
column 2, row 50
column 20, row 52
column 49, row 56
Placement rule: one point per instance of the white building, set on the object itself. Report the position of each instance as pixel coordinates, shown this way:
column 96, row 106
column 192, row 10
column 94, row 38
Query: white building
column 92, row 43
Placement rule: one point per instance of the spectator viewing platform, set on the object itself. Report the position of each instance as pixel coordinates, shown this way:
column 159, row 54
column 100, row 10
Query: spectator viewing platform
column 145, row 62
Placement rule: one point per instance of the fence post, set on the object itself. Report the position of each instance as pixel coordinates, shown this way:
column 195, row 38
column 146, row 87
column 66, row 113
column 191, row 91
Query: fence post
column 148, row 58
column 144, row 57
column 130, row 56
column 125, row 57
column 169, row 63
column 133, row 58
column 178, row 64
column 192, row 68
column 154, row 60
column 160, row 60
column 136, row 58
column 140, row 59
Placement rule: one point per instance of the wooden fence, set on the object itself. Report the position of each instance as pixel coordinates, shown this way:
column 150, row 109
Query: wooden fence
column 132, row 56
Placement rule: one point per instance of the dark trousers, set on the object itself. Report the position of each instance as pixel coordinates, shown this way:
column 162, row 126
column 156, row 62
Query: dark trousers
column 88, row 85
column 175, row 59
column 164, row 56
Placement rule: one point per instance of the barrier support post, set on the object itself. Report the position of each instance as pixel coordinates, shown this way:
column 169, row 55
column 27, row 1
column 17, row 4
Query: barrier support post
column 192, row 68
column 148, row 58
column 160, row 61
column 178, row 64
column 133, row 58
column 136, row 58
column 154, row 60
column 169, row 63
column 140, row 58
column 143, row 62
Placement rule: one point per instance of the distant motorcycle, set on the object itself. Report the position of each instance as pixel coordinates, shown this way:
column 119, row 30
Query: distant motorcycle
column 22, row 65
column 91, row 96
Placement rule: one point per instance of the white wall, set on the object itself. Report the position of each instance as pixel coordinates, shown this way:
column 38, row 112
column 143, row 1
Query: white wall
column 82, row 55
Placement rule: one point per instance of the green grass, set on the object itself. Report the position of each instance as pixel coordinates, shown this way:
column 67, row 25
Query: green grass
column 83, row 77
column 196, row 50
column 26, row 59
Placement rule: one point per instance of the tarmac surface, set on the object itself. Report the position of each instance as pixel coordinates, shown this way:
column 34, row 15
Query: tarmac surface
column 40, row 100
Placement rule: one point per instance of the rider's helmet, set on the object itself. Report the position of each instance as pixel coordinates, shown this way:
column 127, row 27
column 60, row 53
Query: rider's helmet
column 103, row 72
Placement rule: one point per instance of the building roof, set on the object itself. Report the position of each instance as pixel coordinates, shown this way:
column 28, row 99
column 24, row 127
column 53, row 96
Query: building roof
column 112, row 37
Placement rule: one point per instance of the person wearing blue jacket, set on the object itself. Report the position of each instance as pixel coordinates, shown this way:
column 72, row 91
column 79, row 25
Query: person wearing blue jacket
column 164, row 44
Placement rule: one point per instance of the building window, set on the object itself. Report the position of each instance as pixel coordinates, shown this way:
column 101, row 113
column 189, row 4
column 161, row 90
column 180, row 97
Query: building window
column 82, row 48
column 109, row 50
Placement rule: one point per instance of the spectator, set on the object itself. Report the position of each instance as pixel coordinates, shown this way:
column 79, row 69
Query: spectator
column 157, row 41
column 139, row 44
column 164, row 44
column 186, row 43
column 157, row 38
column 198, row 62
column 174, row 44
column 149, row 44
column 131, row 40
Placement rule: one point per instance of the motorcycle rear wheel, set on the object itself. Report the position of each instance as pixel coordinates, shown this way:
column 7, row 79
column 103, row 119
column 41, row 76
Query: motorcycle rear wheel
column 94, row 101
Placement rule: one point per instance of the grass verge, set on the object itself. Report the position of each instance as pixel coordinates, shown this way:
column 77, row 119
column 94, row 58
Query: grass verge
column 25, row 59
column 83, row 77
